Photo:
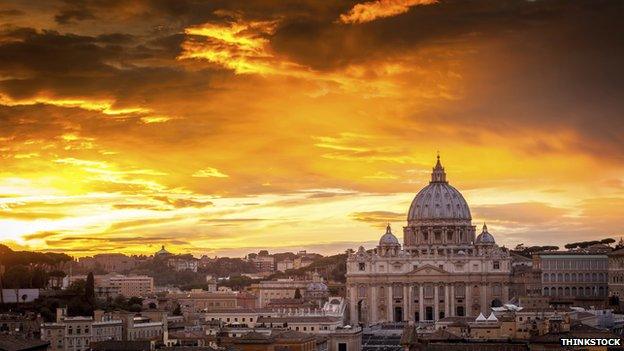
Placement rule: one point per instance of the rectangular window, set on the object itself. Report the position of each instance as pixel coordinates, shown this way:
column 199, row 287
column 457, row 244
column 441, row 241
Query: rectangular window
column 342, row 346
column 496, row 264
column 362, row 266
column 428, row 292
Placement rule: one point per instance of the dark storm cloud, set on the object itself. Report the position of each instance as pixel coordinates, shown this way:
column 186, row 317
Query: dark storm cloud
column 11, row 13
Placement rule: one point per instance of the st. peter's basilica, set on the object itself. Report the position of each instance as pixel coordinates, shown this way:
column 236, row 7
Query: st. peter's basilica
column 442, row 269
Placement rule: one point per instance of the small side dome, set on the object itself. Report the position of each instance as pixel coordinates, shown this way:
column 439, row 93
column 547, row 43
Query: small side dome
column 485, row 237
column 388, row 239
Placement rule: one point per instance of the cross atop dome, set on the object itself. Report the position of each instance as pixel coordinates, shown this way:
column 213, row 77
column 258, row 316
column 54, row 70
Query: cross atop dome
column 438, row 175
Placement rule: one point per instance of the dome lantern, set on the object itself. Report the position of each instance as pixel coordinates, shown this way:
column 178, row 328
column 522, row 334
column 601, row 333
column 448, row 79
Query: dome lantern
column 438, row 175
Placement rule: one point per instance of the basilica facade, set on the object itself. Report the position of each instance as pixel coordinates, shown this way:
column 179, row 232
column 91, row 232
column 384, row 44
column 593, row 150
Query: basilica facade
column 442, row 269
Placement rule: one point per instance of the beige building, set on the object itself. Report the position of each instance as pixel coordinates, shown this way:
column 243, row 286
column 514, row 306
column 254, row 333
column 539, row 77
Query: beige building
column 199, row 301
column 111, row 285
column 573, row 275
column 442, row 269
column 616, row 274
column 77, row 333
column 268, row 290
column 284, row 265
column 113, row 262
column 132, row 285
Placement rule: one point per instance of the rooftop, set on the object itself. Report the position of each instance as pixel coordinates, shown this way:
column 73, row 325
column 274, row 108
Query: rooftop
column 16, row 343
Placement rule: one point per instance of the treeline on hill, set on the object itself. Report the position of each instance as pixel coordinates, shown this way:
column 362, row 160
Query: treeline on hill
column 9, row 257
column 585, row 244
column 226, row 266
column 220, row 267
column 27, row 269
column 332, row 268
column 530, row 250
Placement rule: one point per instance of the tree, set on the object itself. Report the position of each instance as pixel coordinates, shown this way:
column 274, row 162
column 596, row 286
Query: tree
column 607, row 241
column 135, row 301
column 39, row 278
column 17, row 277
column 297, row 294
column 90, row 289
column 177, row 311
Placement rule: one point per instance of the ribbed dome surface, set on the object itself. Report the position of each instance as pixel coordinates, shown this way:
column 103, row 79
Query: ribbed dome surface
column 438, row 200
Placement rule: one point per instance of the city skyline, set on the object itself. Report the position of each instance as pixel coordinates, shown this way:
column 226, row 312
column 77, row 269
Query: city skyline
column 233, row 126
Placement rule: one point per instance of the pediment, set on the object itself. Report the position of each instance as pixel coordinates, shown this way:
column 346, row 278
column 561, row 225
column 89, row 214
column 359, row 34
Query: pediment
column 428, row 270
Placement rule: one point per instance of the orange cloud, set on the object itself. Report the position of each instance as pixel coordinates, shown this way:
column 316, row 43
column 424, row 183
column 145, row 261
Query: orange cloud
column 240, row 46
column 372, row 10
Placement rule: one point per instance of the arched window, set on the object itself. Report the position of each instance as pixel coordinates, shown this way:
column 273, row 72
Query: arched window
column 546, row 291
column 566, row 277
column 546, row 277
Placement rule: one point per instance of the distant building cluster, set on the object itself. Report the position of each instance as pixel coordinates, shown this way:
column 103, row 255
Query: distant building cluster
column 266, row 263
column 111, row 285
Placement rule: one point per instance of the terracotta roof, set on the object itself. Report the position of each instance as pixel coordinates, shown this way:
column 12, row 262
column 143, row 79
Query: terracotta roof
column 476, row 346
column 441, row 335
column 15, row 343
column 254, row 338
column 292, row 335
column 118, row 345
column 298, row 319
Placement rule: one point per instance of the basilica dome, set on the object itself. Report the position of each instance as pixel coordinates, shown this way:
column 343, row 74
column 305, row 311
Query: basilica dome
column 438, row 201
column 388, row 239
column 485, row 237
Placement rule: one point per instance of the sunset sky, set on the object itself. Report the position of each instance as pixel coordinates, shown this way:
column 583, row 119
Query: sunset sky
column 227, row 126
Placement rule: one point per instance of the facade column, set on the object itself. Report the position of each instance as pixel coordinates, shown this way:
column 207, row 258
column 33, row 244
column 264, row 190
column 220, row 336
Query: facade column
column 505, row 292
column 436, row 302
column 373, row 305
column 483, row 293
column 447, row 312
column 353, row 304
column 405, row 302
column 390, row 302
column 468, row 302
column 452, row 300
column 421, row 303
column 410, row 303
